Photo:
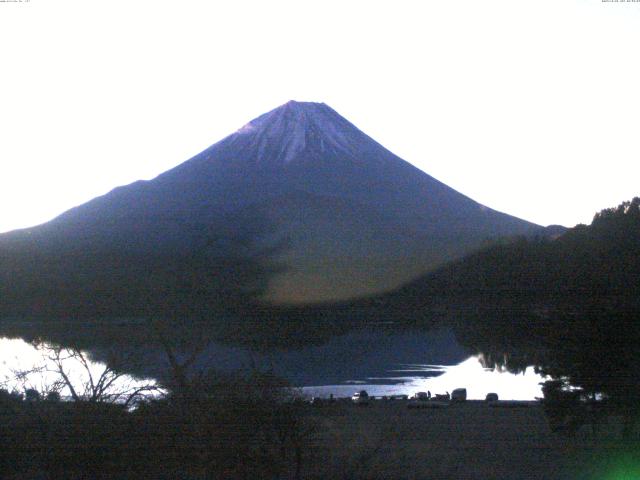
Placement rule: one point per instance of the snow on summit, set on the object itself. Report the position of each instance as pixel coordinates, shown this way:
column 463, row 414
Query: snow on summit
column 295, row 125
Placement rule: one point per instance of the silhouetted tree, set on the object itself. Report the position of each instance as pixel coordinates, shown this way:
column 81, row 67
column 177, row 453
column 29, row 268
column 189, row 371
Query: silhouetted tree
column 91, row 382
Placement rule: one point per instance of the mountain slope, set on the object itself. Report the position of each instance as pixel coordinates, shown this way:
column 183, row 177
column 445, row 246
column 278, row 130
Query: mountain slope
column 355, row 218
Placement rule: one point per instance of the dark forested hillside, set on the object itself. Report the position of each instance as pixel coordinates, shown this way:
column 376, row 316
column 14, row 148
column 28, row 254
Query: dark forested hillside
column 586, row 262
column 570, row 306
column 227, row 268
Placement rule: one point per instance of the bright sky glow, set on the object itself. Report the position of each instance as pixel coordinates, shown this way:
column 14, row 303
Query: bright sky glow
column 530, row 107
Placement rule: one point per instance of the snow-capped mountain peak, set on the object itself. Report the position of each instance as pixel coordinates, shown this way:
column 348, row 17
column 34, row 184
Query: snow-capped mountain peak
column 297, row 126
column 355, row 218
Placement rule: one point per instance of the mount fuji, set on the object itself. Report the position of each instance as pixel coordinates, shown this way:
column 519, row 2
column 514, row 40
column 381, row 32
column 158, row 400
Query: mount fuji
column 351, row 218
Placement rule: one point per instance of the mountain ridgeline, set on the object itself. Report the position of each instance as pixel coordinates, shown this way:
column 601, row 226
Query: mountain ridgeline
column 296, row 207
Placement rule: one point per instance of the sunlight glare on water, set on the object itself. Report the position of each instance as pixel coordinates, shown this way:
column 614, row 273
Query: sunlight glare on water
column 479, row 381
column 469, row 374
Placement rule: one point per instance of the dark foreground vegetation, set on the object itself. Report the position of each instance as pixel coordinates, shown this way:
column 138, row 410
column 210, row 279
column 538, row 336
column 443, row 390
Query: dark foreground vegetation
column 245, row 429
column 218, row 427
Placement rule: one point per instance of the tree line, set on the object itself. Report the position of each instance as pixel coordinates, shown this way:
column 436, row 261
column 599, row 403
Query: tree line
column 569, row 305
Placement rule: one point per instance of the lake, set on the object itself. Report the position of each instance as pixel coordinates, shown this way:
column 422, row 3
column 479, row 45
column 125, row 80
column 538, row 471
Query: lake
column 383, row 363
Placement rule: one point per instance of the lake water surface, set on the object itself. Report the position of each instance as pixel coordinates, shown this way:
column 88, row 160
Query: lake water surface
column 386, row 363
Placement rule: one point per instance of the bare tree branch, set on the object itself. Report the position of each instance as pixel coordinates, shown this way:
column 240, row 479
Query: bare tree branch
column 108, row 384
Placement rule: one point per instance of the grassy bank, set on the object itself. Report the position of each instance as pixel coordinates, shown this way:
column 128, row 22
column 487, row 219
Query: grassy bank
column 464, row 441
column 246, row 430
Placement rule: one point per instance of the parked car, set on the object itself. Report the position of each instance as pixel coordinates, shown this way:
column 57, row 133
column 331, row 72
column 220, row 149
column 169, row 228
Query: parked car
column 491, row 397
column 459, row 395
column 419, row 400
column 360, row 398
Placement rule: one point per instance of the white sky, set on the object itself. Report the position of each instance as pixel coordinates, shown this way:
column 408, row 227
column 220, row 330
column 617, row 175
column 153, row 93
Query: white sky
column 530, row 107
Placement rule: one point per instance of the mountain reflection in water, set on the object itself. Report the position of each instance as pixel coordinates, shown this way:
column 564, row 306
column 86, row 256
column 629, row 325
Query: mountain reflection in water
column 359, row 360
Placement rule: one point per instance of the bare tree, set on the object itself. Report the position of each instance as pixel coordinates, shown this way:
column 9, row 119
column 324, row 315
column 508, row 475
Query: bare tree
column 92, row 382
column 34, row 379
